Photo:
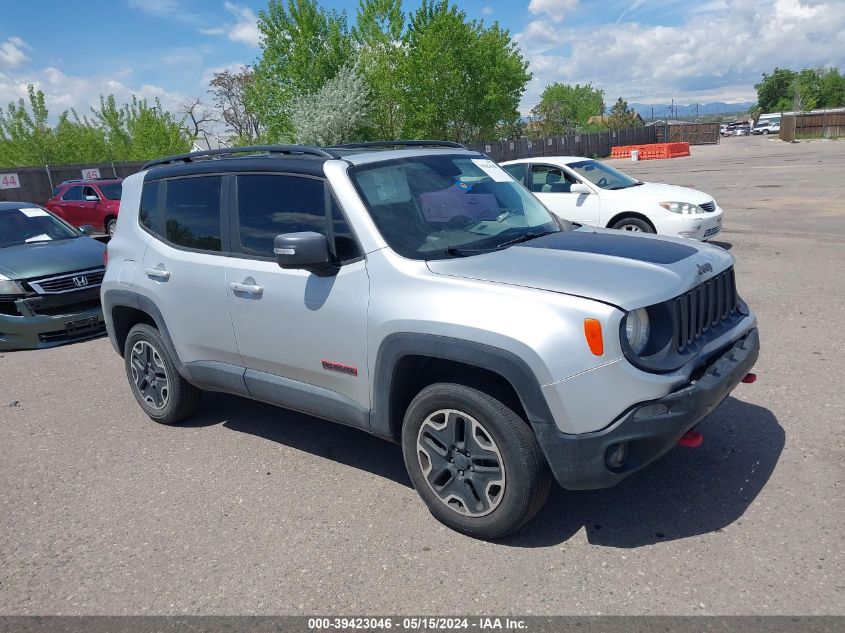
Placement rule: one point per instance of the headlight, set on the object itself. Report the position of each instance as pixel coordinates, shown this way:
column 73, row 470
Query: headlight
column 684, row 208
column 637, row 329
column 9, row 287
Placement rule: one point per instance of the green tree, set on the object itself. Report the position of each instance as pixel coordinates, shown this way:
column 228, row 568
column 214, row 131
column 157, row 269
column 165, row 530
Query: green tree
column 303, row 47
column 460, row 79
column 25, row 136
column 831, row 88
column 774, row 92
column 334, row 113
column 564, row 107
column 378, row 31
column 621, row 116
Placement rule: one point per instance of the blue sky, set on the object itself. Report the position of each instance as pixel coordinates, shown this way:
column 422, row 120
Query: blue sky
column 648, row 51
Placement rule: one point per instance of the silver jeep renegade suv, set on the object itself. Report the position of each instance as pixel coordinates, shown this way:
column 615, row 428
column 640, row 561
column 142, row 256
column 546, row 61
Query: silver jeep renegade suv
column 416, row 291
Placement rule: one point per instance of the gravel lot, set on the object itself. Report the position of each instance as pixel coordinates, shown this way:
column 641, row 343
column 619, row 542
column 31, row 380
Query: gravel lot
column 251, row 509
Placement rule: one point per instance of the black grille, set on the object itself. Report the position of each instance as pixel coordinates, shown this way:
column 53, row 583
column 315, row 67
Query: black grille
column 66, row 283
column 710, row 207
column 704, row 307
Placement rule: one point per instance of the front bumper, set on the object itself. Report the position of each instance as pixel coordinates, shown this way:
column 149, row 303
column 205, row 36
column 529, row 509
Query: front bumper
column 45, row 321
column 579, row 461
column 701, row 227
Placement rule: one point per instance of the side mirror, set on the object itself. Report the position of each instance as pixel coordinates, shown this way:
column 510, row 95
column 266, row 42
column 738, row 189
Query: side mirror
column 306, row 250
column 91, row 199
column 86, row 229
column 580, row 187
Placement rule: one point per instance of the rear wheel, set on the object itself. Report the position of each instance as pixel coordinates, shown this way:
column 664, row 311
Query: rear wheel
column 633, row 225
column 111, row 224
column 475, row 463
column 156, row 384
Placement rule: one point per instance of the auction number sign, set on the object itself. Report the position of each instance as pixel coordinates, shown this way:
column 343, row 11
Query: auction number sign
column 9, row 181
column 90, row 174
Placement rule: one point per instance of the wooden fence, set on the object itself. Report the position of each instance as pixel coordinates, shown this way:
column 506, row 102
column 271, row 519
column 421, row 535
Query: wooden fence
column 692, row 133
column 36, row 184
column 818, row 125
column 593, row 144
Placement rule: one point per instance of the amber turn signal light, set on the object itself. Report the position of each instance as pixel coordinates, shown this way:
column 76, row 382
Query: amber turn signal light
column 592, row 332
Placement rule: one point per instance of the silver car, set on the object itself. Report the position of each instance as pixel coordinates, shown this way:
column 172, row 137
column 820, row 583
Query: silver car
column 416, row 291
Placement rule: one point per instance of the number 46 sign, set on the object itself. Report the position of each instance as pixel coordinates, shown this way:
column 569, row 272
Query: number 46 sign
column 9, row 181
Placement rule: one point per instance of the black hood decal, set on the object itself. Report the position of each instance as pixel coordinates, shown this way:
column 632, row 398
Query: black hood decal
column 614, row 245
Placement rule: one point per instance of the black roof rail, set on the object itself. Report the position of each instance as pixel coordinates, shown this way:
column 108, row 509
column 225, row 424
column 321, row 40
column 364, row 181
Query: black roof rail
column 414, row 143
column 291, row 150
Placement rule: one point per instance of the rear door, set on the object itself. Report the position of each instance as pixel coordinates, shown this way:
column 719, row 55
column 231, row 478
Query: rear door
column 551, row 185
column 306, row 327
column 184, row 270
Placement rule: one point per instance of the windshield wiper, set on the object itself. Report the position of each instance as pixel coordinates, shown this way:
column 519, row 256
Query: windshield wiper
column 525, row 237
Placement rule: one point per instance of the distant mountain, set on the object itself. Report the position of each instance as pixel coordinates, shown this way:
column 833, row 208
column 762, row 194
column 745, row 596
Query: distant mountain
column 664, row 110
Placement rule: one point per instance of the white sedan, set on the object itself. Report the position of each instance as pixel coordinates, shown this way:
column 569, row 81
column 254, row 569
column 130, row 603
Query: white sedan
column 594, row 193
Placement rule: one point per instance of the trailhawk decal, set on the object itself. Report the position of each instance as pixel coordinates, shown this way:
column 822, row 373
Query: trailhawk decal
column 349, row 370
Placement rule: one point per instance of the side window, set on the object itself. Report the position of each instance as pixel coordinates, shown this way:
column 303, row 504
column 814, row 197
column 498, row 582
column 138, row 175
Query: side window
column 549, row 179
column 89, row 191
column 515, row 170
column 269, row 205
column 192, row 212
column 148, row 214
column 73, row 193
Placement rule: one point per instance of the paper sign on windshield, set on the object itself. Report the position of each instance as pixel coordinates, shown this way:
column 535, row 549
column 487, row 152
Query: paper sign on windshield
column 492, row 169
column 34, row 213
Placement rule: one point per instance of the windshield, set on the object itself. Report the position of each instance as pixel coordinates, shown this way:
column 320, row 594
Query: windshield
column 112, row 192
column 602, row 175
column 433, row 207
column 31, row 224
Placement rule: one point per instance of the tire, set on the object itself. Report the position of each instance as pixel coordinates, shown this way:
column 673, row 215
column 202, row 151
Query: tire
column 168, row 398
column 452, row 490
column 766, row 132
column 111, row 223
column 633, row 225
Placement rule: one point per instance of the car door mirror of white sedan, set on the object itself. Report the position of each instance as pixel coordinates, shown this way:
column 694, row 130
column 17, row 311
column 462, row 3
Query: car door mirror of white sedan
column 580, row 187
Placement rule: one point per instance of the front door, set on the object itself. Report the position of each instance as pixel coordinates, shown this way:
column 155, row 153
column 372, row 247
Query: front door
column 305, row 327
column 551, row 185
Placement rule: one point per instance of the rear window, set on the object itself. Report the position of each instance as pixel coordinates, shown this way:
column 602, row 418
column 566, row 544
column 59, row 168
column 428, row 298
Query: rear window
column 189, row 214
column 112, row 192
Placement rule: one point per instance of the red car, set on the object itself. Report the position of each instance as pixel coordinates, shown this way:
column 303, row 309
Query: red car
column 94, row 202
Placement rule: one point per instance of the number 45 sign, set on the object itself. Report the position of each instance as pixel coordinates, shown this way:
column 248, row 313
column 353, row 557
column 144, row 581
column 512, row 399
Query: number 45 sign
column 9, row 181
column 90, row 174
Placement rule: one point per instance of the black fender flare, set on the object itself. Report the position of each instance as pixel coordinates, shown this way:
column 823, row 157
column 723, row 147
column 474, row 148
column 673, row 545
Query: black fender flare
column 502, row 362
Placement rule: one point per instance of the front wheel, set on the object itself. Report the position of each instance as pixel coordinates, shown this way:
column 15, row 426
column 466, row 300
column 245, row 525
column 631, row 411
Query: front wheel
column 634, row 225
column 475, row 463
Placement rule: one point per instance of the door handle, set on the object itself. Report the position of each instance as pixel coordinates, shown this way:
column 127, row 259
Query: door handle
column 157, row 273
column 250, row 289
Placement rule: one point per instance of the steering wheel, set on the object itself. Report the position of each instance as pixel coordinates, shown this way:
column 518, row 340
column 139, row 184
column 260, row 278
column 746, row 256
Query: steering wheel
column 602, row 182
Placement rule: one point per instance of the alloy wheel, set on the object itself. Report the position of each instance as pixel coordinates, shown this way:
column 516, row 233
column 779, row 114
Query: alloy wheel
column 150, row 375
column 461, row 462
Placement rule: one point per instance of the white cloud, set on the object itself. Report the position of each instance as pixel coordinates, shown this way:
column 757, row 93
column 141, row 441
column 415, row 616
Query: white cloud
column 487, row 11
column 63, row 92
column 245, row 28
column 714, row 59
column 11, row 52
column 156, row 7
column 555, row 9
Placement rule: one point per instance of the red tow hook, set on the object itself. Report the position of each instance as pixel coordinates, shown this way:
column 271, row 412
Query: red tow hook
column 691, row 439
column 749, row 378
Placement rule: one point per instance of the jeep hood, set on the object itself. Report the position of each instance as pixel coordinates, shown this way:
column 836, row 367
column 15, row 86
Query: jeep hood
column 627, row 271
column 41, row 259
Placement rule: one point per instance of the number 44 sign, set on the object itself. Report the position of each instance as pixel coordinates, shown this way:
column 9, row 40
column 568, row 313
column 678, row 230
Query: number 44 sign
column 9, row 181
